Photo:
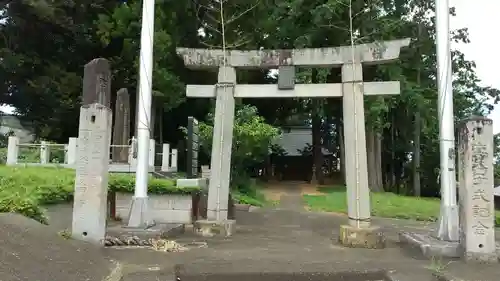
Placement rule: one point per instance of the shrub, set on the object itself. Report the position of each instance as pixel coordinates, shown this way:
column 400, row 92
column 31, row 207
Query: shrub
column 25, row 189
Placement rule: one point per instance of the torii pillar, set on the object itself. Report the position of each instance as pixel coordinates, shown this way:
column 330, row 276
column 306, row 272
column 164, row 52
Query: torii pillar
column 359, row 232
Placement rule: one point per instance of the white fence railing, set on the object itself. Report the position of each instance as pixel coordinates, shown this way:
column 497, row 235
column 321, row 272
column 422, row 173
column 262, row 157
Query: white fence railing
column 168, row 156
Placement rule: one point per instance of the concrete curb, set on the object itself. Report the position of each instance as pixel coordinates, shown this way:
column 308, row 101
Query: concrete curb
column 429, row 246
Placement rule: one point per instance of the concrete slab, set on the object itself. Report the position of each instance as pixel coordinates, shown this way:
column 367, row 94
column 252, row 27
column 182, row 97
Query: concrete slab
column 156, row 231
column 432, row 247
column 211, row 228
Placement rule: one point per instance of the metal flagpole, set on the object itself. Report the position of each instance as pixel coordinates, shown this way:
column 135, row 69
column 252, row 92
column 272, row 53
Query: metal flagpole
column 448, row 217
column 138, row 211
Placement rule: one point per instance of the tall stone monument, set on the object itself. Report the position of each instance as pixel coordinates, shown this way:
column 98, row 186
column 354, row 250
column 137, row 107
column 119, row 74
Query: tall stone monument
column 92, row 155
column 476, row 202
column 359, row 232
column 91, row 180
column 121, row 128
column 193, row 146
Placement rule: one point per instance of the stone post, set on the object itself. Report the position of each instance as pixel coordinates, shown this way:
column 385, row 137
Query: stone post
column 218, row 190
column 152, row 152
column 476, row 202
column 72, row 147
column 359, row 232
column 165, row 157
column 65, row 161
column 121, row 129
column 91, row 182
column 44, row 152
column 12, row 150
column 173, row 166
column 92, row 154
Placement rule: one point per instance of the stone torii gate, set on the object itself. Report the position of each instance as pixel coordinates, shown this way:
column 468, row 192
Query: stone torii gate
column 352, row 89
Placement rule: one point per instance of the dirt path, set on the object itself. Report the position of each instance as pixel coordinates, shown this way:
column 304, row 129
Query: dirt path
column 289, row 194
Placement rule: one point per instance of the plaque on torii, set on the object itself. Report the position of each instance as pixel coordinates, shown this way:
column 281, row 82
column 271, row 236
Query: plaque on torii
column 352, row 89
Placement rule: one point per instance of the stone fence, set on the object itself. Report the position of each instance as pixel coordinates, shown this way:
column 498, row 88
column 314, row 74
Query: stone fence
column 168, row 159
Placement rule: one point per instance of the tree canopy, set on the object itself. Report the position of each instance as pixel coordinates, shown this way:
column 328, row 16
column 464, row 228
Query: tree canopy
column 44, row 45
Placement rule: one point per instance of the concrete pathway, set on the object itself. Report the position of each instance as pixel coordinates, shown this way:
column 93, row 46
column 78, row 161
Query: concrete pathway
column 292, row 198
column 284, row 241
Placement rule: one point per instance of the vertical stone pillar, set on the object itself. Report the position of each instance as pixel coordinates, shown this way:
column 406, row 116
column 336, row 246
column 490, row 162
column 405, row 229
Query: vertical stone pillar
column 91, row 182
column 218, row 190
column 358, row 193
column 44, row 152
column 165, row 157
column 72, row 147
column 476, row 202
column 121, row 129
column 173, row 166
column 359, row 232
column 12, row 150
column 92, row 154
column 65, row 161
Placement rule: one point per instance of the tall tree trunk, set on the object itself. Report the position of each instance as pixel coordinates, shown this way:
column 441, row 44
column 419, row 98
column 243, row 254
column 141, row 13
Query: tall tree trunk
column 416, row 139
column 152, row 123
column 160, row 124
column 374, row 161
column 340, row 128
column 317, row 151
column 378, row 161
column 392, row 175
column 416, row 156
column 316, row 133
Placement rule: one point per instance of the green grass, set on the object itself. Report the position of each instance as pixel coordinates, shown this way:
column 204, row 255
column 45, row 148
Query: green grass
column 252, row 196
column 386, row 205
column 26, row 189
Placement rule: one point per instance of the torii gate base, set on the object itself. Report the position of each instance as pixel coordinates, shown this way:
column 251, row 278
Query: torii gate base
column 359, row 232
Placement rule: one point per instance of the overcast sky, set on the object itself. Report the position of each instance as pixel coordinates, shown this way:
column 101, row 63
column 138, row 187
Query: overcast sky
column 482, row 19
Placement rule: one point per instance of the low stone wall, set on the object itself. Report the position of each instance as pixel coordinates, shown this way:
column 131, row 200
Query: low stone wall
column 166, row 208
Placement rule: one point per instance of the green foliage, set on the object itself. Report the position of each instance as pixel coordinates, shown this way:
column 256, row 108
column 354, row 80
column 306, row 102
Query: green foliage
column 44, row 45
column 252, row 140
column 26, row 189
column 122, row 27
column 248, row 192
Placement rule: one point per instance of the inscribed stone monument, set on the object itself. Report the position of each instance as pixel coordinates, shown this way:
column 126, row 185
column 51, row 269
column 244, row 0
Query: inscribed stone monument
column 96, row 80
column 192, row 148
column 477, row 212
column 91, row 180
column 352, row 89
column 121, row 128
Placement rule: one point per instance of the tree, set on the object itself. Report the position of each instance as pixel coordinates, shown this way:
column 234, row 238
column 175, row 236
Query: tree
column 252, row 141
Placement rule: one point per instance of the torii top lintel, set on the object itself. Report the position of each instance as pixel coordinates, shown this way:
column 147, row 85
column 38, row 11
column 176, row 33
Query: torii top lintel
column 372, row 53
